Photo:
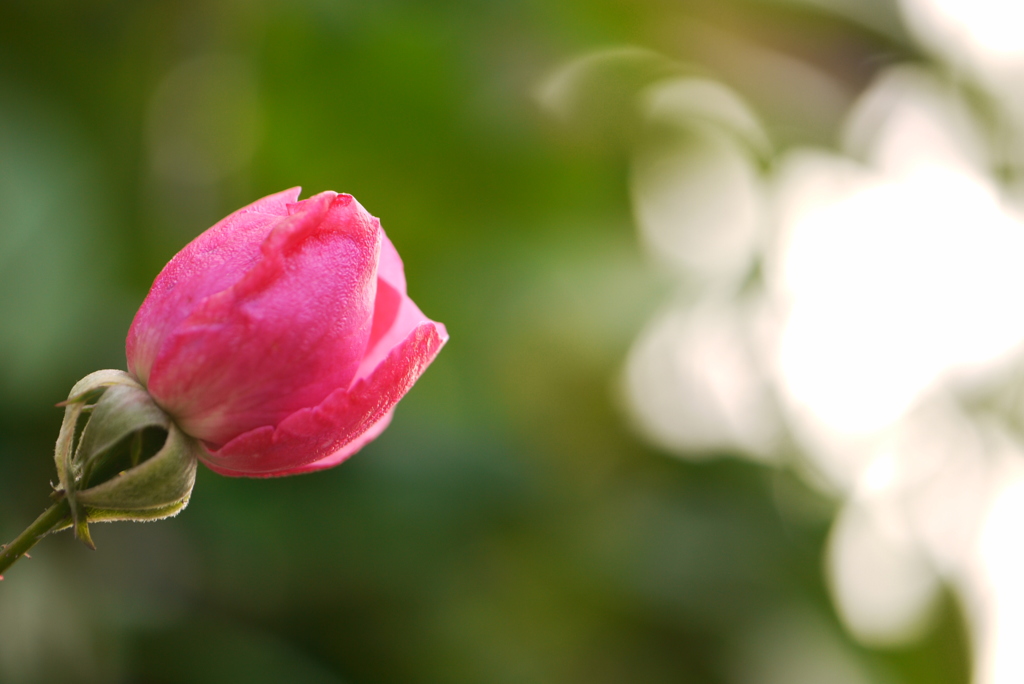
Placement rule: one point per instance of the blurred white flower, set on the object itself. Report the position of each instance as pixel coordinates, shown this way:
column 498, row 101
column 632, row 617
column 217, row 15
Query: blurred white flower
column 899, row 278
column 895, row 275
column 697, row 196
column 888, row 295
column 695, row 384
column 983, row 33
column 997, row 592
column 861, row 304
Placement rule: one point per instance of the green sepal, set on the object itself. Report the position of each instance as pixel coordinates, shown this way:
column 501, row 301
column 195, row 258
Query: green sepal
column 105, row 471
column 163, row 480
column 147, row 515
column 121, row 411
column 76, row 403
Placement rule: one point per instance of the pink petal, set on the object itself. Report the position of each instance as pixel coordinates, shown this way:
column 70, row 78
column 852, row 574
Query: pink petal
column 292, row 330
column 212, row 262
column 330, row 461
column 391, row 268
column 323, row 436
column 395, row 315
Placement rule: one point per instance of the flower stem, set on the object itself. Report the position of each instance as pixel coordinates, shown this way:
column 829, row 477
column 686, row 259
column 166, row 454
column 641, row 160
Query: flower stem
column 51, row 517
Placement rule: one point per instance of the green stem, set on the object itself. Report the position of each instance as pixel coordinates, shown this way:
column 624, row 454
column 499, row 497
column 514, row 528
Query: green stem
column 51, row 517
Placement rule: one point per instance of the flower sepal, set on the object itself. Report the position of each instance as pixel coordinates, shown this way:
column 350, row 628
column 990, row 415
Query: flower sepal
column 119, row 456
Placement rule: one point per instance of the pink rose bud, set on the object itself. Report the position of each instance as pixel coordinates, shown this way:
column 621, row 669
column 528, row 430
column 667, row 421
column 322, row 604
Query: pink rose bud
column 282, row 337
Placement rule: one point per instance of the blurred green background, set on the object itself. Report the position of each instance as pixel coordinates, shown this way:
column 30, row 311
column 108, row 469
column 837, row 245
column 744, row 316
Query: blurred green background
column 508, row 527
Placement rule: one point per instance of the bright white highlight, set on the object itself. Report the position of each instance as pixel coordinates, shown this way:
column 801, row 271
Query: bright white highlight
column 695, row 385
column 893, row 285
column 985, row 31
column 1002, row 564
column 884, row 586
column 895, row 276
column 890, row 303
column 900, row 283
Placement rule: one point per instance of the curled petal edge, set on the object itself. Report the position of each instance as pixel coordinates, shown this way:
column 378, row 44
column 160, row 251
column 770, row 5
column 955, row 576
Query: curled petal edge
column 325, row 435
column 349, row 449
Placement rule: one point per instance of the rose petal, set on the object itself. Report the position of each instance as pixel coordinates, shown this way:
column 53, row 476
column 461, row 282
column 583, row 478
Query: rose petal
column 330, row 461
column 292, row 330
column 391, row 268
column 211, row 263
column 349, row 449
column 395, row 315
column 319, row 437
